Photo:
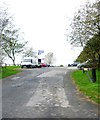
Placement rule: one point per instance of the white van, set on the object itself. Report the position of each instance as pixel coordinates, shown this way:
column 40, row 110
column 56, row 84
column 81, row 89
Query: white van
column 29, row 62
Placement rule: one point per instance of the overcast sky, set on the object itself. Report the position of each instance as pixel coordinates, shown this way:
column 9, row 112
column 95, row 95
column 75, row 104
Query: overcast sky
column 44, row 23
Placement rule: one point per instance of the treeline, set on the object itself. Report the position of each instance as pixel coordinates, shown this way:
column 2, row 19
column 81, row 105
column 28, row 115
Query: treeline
column 85, row 32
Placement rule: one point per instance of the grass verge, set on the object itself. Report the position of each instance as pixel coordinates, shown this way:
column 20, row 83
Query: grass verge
column 87, row 87
column 8, row 71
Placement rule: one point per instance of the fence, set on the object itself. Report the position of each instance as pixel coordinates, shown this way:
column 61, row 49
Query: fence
column 4, row 65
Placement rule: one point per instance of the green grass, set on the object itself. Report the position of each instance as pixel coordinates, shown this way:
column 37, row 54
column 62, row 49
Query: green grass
column 86, row 86
column 8, row 71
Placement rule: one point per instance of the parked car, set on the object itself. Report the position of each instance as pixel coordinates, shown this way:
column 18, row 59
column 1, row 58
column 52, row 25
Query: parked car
column 69, row 65
column 43, row 65
column 81, row 65
column 74, row 64
column 86, row 64
column 47, row 65
column 29, row 62
column 38, row 66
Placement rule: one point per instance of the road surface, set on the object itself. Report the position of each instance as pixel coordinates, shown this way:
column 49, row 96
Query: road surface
column 44, row 93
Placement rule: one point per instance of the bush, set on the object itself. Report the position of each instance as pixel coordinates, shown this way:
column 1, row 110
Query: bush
column 61, row 66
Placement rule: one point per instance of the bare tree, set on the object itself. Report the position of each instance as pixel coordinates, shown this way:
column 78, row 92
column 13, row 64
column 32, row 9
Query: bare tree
column 85, row 24
column 12, row 44
column 5, row 21
column 49, row 58
column 30, row 52
column 2, row 56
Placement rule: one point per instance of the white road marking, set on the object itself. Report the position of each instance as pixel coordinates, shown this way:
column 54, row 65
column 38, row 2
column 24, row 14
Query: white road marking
column 52, row 73
column 15, row 78
column 62, row 98
column 40, row 96
column 17, row 85
column 43, row 97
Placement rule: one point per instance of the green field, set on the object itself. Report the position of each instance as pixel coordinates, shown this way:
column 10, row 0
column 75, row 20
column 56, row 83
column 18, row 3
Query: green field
column 9, row 70
column 86, row 86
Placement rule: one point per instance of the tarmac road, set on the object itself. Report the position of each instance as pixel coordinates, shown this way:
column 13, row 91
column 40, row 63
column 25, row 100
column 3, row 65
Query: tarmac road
column 44, row 93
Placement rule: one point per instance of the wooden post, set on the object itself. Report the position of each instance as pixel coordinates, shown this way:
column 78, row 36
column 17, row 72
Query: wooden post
column 94, row 75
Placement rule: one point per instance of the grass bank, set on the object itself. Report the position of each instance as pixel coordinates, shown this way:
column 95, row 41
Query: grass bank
column 8, row 71
column 86, row 86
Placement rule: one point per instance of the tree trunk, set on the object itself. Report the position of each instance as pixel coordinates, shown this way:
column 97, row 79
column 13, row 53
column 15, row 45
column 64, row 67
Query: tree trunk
column 14, row 62
column 99, row 62
column 93, row 75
